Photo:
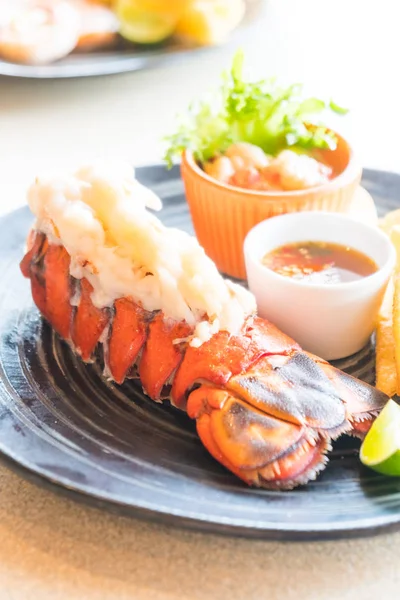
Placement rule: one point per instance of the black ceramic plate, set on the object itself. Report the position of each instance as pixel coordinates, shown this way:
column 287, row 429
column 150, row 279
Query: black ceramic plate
column 119, row 60
column 63, row 425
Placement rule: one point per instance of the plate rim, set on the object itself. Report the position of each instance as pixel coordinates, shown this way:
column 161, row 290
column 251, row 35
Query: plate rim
column 116, row 63
column 367, row 528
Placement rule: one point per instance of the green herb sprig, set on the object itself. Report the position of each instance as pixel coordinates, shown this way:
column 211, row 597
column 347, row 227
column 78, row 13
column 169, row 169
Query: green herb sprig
column 261, row 113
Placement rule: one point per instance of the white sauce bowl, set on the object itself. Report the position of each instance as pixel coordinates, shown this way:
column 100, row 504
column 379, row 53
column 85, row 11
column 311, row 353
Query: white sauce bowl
column 332, row 321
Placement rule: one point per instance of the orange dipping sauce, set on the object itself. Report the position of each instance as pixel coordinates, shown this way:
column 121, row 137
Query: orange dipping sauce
column 319, row 262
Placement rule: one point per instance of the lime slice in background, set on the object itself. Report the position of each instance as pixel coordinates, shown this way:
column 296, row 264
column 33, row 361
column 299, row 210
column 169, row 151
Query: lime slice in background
column 381, row 448
column 144, row 26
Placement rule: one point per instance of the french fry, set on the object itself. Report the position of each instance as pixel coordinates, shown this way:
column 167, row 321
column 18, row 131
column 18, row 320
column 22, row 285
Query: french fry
column 388, row 322
column 395, row 237
column 396, row 326
column 386, row 372
column 389, row 221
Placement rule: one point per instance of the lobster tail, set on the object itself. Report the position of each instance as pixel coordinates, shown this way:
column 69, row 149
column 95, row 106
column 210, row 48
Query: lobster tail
column 264, row 408
column 260, row 449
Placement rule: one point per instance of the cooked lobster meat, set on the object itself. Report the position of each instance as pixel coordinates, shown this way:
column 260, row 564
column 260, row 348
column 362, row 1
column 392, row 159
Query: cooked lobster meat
column 264, row 408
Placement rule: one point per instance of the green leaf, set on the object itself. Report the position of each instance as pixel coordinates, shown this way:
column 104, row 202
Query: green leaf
column 340, row 110
column 311, row 106
column 259, row 112
column 237, row 65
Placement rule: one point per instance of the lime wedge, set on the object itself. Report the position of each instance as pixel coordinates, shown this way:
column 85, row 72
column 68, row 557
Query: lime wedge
column 381, row 448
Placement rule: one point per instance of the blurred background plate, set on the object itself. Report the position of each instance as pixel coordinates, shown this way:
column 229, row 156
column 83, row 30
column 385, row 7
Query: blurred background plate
column 127, row 58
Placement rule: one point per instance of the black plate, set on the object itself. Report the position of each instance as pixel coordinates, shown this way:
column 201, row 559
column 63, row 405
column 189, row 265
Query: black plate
column 63, row 425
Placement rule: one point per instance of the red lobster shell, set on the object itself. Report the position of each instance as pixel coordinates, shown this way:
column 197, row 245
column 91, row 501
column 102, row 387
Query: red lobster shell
column 264, row 408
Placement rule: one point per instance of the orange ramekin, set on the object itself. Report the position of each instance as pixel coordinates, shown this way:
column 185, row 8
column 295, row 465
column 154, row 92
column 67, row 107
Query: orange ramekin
column 223, row 214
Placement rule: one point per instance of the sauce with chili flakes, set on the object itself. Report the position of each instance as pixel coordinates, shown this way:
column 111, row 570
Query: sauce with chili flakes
column 319, row 262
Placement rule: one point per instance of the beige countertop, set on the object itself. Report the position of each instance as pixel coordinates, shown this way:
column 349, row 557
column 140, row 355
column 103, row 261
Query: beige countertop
column 52, row 548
